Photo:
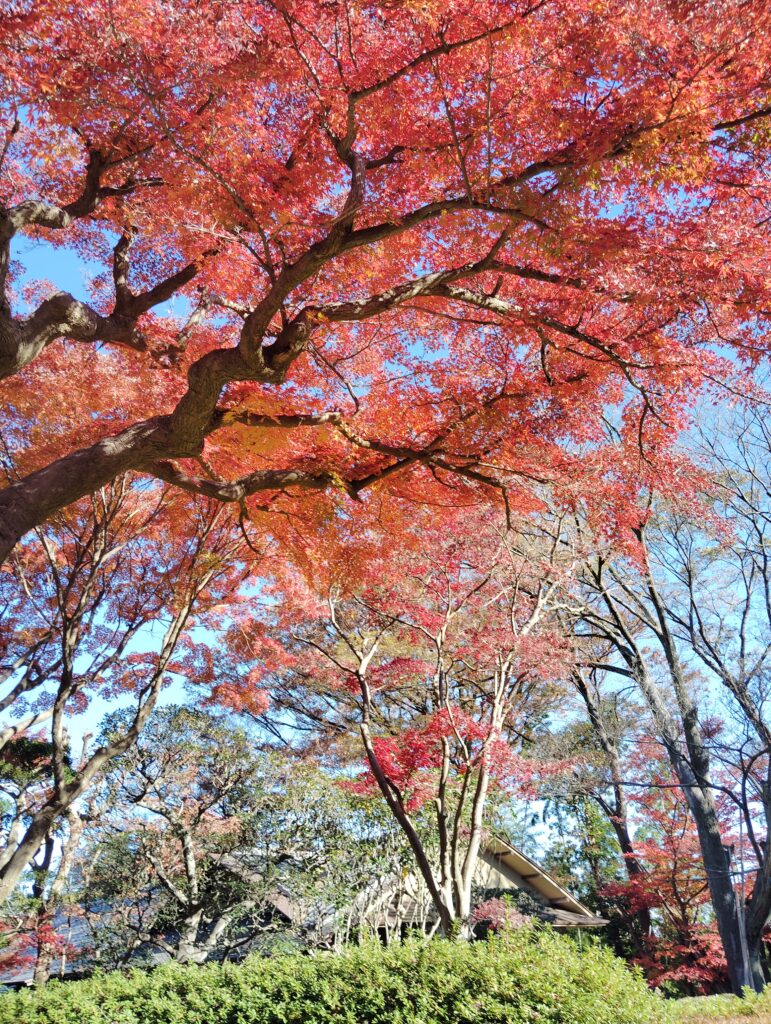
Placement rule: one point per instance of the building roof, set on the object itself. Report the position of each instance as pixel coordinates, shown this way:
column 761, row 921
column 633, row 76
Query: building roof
column 515, row 871
column 566, row 909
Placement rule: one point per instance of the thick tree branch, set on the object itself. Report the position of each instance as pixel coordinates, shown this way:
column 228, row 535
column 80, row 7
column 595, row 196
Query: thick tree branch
column 63, row 316
column 28, row 502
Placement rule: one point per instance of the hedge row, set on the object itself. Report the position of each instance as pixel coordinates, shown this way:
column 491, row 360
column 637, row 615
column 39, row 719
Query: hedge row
column 524, row 978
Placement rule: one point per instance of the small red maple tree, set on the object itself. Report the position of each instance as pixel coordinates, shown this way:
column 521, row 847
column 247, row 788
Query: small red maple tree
column 683, row 951
column 437, row 663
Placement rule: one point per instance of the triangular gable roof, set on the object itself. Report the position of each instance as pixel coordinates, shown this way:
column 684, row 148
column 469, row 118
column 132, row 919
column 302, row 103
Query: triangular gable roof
column 555, row 894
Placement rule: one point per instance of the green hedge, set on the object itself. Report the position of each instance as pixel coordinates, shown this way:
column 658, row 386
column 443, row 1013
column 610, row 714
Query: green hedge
column 524, row 978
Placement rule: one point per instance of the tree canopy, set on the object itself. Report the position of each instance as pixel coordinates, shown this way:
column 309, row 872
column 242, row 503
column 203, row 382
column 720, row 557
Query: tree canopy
column 365, row 422
column 501, row 219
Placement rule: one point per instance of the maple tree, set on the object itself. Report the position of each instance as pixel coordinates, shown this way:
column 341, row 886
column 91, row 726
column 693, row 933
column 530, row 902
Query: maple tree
column 684, row 950
column 498, row 218
column 353, row 267
column 652, row 883
column 435, row 663
column 685, row 738
column 690, row 596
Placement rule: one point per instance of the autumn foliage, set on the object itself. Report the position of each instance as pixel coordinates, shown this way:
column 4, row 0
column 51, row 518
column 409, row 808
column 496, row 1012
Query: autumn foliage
column 369, row 326
column 499, row 219
column 683, row 953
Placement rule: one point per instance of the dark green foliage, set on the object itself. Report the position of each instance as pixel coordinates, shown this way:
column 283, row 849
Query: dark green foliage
column 26, row 761
column 521, row 978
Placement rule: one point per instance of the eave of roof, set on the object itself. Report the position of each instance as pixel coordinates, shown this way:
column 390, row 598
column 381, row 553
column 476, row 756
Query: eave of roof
column 565, row 919
column 556, row 895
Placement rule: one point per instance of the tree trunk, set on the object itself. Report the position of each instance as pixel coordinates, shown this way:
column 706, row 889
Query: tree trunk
column 756, row 958
column 28, row 502
column 444, row 910
column 633, row 870
column 725, row 901
column 45, row 955
column 19, row 860
column 188, row 948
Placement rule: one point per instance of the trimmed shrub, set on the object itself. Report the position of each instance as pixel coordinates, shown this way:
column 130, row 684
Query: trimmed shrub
column 528, row 977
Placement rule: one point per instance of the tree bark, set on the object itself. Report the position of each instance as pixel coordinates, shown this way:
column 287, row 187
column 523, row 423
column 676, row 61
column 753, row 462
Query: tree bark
column 756, row 958
column 28, row 502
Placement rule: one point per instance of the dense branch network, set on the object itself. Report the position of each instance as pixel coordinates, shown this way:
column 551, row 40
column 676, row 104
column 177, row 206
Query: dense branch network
column 280, row 327
column 61, row 315
column 146, row 446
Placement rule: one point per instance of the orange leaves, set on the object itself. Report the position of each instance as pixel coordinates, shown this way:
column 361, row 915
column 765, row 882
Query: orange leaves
column 251, row 700
column 488, row 230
